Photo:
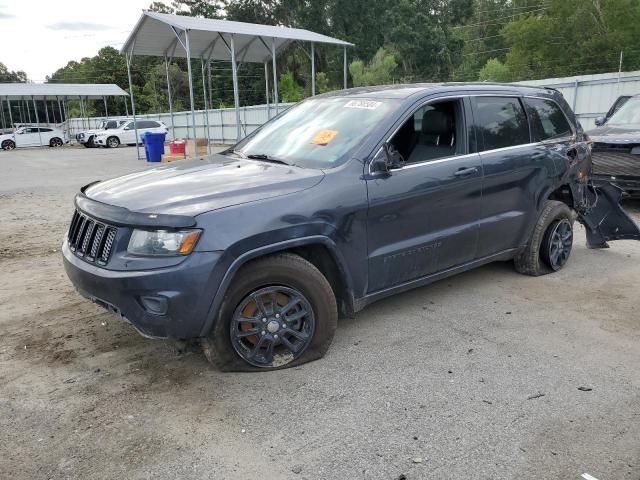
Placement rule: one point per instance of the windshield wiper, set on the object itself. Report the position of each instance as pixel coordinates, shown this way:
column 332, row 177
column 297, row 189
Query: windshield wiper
column 266, row 158
column 238, row 153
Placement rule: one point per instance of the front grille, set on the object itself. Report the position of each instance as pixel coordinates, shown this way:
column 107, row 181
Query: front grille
column 615, row 161
column 90, row 239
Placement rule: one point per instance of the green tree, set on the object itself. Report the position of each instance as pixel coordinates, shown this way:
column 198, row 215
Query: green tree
column 378, row 71
column 7, row 76
column 496, row 71
column 573, row 37
column 322, row 83
column 290, row 90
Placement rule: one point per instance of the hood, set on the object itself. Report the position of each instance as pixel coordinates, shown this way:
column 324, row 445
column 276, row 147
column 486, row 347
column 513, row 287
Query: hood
column 197, row 186
column 616, row 134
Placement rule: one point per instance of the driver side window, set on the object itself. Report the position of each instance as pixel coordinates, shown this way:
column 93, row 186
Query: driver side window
column 433, row 131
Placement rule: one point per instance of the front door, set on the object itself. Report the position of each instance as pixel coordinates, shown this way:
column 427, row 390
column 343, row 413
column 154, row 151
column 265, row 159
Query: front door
column 28, row 137
column 423, row 216
column 128, row 134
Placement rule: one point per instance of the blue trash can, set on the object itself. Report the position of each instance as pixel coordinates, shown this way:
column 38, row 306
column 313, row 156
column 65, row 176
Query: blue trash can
column 153, row 146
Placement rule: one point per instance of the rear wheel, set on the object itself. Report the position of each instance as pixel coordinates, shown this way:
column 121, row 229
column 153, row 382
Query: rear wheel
column 56, row 142
column 551, row 242
column 279, row 311
column 8, row 145
column 113, row 142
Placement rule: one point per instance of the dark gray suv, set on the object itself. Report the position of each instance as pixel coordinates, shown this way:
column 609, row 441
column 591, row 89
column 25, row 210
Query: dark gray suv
column 344, row 199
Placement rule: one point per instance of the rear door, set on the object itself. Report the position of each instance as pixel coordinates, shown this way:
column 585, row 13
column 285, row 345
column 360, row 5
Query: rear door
column 515, row 170
column 47, row 134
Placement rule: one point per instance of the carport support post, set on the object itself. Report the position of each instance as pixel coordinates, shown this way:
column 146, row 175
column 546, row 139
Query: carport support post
column 236, row 97
column 84, row 124
column 4, row 122
column 133, row 103
column 206, row 104
column 275, row 75
column 166, row 67
column 37, row 120
column 193, row 103
column 46, row 110
column 106, row 111
column 266, row 87
column 10, row 114
column 313, row 70
column 345, row 67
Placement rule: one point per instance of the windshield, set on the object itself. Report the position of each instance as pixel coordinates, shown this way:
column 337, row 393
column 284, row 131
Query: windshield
column 629, row 113
column 317, row 133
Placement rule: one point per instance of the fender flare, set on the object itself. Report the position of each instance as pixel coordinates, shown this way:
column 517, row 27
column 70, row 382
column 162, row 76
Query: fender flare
column 266, row 250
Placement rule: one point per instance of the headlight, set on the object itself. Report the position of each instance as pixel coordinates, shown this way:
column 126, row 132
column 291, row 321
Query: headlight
column 163, row 242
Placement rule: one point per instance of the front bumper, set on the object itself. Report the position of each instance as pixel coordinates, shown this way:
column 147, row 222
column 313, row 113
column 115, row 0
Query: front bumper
column 182, row 291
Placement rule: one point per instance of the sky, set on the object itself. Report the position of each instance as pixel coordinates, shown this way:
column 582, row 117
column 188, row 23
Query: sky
column 40, row 36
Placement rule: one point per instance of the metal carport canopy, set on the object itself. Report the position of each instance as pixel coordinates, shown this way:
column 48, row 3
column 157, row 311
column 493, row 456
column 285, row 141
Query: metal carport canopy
column 42, row 91
column 152, row 37
column 50, row 92
column 166, row 35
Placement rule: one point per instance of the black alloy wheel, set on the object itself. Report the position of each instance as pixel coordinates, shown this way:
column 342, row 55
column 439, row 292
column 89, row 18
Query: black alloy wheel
column 272, row 326
column 557, row 244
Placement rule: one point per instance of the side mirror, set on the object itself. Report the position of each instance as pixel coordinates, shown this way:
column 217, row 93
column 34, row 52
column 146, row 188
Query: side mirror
column 600, row 121
column 387, row 158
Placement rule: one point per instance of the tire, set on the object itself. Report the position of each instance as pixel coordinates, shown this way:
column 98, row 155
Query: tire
column 8, row 145
column 112, row 142
column 89, row 143
column 550, row 244
column 281, row 277
column 56, row 142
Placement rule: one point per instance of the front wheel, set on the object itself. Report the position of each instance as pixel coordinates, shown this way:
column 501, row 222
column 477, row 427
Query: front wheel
column 113, row 142
column 551, row 242
column 279, row 311
column 8, row 145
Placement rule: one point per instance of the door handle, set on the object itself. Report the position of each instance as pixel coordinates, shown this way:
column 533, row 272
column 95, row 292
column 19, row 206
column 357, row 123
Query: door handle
column 464, row 172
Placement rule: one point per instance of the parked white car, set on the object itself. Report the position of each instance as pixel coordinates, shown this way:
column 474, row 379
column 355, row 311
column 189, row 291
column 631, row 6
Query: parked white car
column 127, row 135
column 31, row 137
column 86, row 138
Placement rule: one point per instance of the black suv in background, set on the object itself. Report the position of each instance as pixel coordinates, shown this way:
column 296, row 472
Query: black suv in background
column 616, row 148
column 344, row 199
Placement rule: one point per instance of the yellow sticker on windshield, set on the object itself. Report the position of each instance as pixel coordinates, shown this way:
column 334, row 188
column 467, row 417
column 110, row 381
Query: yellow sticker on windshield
column 323, row 137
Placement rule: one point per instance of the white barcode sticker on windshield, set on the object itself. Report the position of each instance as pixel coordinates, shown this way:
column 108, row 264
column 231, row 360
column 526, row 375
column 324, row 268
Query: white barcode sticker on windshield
column 364, row 104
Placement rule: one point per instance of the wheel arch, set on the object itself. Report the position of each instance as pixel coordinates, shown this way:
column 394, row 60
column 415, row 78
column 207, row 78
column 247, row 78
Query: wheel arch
column 319, row 250
column 562, row 193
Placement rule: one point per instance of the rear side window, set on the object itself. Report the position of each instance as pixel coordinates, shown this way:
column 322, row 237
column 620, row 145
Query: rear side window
column 501, row 122
column 147, row 124
column 547, row 120
column 46, row 130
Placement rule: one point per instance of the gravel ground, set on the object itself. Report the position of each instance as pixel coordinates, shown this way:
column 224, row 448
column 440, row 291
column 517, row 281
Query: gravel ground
column 487, row 375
